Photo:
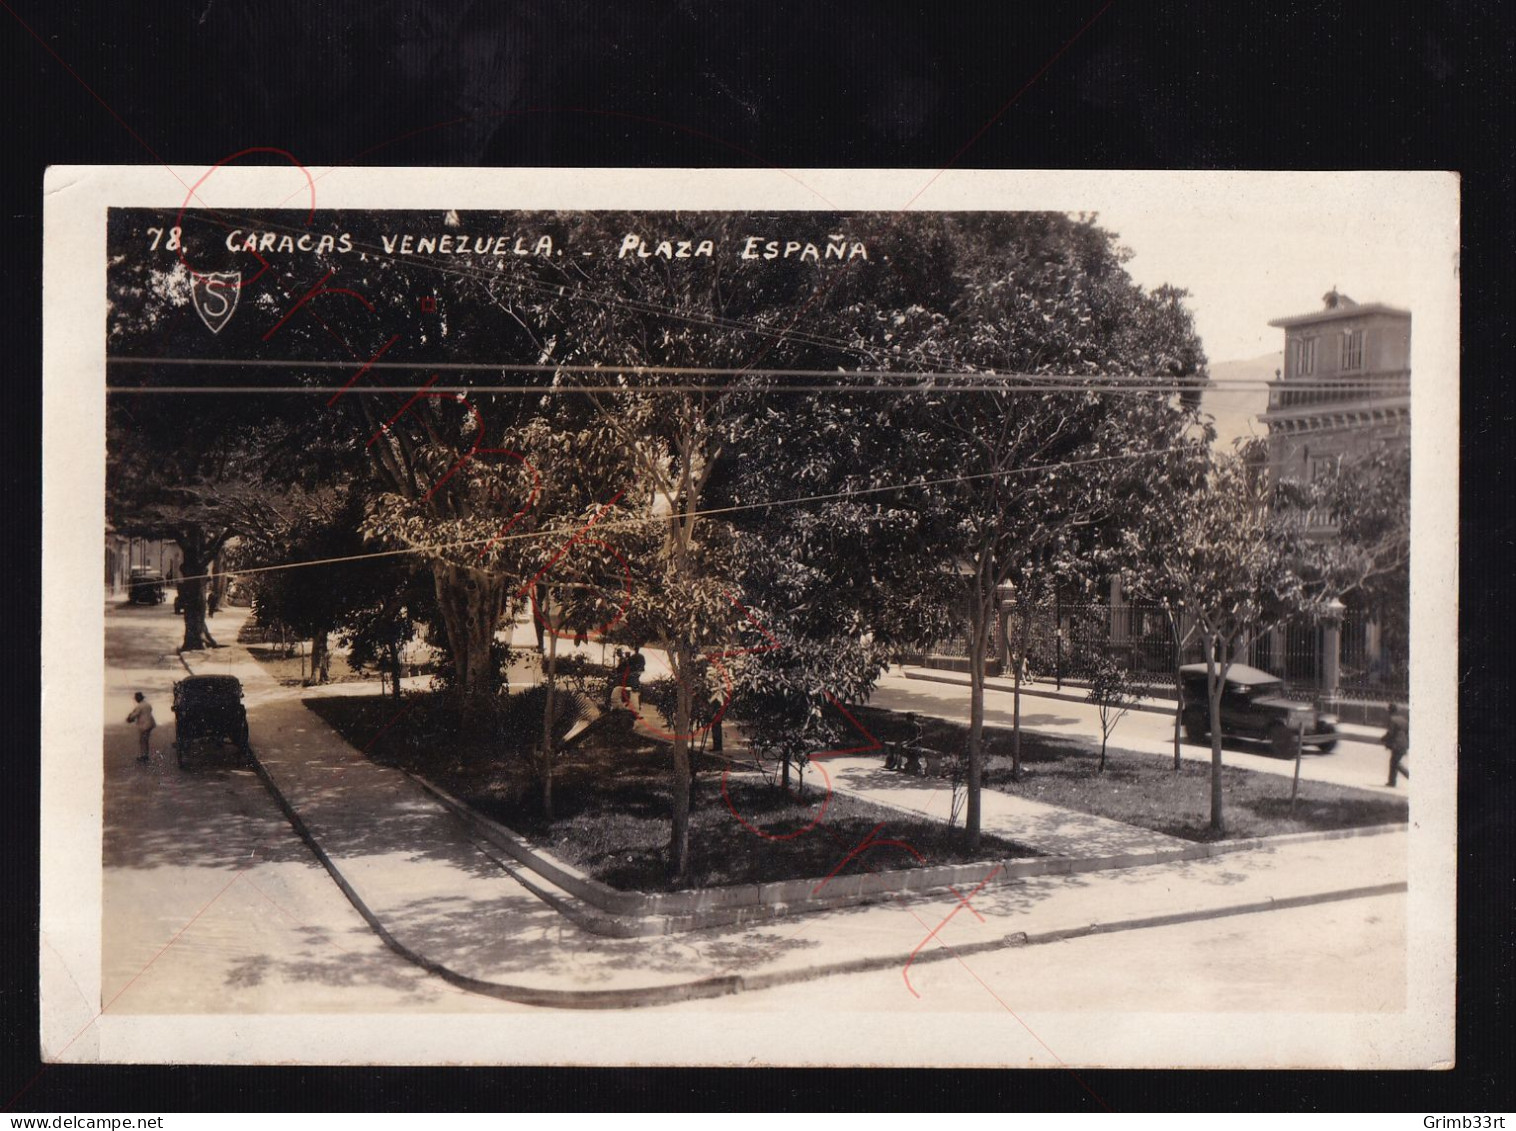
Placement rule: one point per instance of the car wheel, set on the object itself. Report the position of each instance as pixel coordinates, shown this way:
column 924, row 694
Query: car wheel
column 1328, row 747
column 1194, row 729
column 1282, row 740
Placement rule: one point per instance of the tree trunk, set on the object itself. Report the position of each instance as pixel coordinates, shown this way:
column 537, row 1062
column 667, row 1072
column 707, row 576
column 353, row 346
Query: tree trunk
column 1103, row 732
column 784, row 772
column 679, row 778
column 193, row 590
column 551, row 685
column 1016, row 719
column 978, row 650
column 1215, row 683
column 471, row 601
column 1178, row 683
column 1018, row 665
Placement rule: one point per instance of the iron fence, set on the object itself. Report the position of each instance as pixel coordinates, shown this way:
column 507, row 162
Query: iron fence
column 1062, row 642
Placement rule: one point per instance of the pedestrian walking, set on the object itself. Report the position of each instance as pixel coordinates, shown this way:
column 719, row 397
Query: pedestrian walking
column 142, row 716
column 1397, row 739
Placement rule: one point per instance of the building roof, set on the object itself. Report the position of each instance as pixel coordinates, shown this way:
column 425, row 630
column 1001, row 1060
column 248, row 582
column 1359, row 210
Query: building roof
column 1337, row 313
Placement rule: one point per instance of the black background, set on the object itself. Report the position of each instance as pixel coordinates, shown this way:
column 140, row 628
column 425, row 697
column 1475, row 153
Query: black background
column 1188, row 84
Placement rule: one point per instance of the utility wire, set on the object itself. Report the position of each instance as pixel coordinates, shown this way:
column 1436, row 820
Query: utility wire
column 906, row 381
column 651, row 390
column 734, row 508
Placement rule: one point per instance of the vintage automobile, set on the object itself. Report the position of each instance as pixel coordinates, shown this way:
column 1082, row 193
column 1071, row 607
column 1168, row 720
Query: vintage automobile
column 1253, row 705
column 208, row 710
column 145, row 586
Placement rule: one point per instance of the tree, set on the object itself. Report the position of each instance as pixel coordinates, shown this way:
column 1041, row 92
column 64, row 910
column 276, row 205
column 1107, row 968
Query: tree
column 833, row 574
column 580, row 463
column 1139, row 551
column 179, row 469
column 1234, row 551
column 1369, row 503
column 1366, row 559
column 1113, row 693
column 386, row 603
column 633, row 317
column 301, row 576
column 317, row 576
column 1020, row 475
column 433, row 462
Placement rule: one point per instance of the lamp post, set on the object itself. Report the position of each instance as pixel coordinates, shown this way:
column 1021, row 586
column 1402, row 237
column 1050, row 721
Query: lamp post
column 1331, row 649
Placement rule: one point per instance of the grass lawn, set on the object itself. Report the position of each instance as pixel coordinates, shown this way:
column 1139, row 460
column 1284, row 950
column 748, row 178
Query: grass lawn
column 611, row 805
column 1143, row 789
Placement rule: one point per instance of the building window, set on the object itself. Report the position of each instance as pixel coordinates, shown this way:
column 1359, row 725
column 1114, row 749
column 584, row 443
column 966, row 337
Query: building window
column 1305, row 357
column 1352, row 349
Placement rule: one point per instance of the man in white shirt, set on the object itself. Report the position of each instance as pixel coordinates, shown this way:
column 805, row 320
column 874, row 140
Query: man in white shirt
column 142, row 715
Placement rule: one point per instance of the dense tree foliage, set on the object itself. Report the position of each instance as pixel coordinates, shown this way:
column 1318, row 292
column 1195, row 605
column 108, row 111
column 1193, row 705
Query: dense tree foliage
column 782, row 472
column 1024, row 468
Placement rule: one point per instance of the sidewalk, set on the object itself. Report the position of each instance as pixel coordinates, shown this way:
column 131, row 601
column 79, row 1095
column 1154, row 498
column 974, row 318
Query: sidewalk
column 1157, row 705
column 460, row 908
column 1359, row 760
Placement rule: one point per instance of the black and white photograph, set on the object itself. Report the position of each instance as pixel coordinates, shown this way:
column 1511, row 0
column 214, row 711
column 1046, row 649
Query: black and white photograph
column 670, row 617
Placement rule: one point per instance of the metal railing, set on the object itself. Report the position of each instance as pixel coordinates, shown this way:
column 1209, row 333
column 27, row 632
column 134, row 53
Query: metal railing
column 1065, row 641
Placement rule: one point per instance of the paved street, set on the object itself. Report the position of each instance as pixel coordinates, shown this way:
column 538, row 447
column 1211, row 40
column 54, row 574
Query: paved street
column 1359, row 760
column 210, row 900
column 1350, row 956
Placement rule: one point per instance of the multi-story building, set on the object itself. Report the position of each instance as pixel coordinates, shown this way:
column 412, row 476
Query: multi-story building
column 1345, row 389
column 1344, row 393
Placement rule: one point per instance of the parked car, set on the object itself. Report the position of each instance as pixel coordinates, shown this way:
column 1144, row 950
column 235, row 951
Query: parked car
column 145, row 586
column 208, row 709
column 1253, row 705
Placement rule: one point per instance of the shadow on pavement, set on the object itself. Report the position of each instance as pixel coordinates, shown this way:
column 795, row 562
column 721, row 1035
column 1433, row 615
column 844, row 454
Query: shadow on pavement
column 158, row 815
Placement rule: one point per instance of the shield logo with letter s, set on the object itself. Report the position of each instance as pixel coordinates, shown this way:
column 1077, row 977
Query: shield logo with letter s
column 216, row 297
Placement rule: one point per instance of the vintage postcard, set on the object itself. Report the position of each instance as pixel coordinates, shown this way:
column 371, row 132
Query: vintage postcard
column 673, row 617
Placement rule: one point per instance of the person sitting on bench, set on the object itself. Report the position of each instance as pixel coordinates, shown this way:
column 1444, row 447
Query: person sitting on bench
column 906, row 755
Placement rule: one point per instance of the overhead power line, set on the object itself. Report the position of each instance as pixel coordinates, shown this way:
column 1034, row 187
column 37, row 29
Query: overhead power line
column 838, row 380
column 624, row 524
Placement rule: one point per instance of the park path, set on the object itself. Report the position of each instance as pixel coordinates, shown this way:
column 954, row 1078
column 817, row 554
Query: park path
column 1049, row 829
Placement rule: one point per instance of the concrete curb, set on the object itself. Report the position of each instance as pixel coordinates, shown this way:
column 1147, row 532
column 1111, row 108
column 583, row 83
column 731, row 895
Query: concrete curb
column 722, row 985
column 525, row 995
column 625, row 914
